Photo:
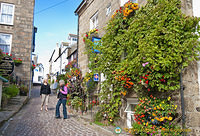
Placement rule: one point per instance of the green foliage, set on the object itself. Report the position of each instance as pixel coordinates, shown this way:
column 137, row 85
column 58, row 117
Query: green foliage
column 98, row 117
column 52, row 81
column 155, row 115
column 76, row 102
column 11, row 91
column 150, row 46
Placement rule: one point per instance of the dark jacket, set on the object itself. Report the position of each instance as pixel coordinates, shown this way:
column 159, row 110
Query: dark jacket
column 61, row 95
column 45, row 89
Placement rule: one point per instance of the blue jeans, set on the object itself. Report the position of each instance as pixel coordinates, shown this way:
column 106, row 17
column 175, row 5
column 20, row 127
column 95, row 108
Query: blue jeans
column 63, row 102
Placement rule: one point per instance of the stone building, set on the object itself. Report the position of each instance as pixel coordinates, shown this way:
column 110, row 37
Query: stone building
column 92, row 14
column 96, row 13
column 16, row 34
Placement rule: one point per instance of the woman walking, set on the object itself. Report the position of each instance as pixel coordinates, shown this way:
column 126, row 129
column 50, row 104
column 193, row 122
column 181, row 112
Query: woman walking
column 62, row 99
column 45, row 91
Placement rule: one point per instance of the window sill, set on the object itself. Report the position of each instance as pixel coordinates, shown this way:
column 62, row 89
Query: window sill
column 6, row 24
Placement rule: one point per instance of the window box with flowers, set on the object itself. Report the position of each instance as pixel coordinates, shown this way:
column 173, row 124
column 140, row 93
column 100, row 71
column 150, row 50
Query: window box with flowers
column 17, row 61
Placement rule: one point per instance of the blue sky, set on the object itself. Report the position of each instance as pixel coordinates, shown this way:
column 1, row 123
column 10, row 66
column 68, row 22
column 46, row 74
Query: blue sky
column 53, row 25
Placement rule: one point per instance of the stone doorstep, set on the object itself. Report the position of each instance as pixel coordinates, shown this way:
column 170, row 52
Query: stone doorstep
column 11, row 111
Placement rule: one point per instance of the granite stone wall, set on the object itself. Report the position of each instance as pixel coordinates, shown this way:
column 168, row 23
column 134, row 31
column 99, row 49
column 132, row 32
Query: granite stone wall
column 21, row 31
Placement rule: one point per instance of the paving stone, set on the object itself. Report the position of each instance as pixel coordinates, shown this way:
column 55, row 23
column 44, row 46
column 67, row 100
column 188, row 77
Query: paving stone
column 30, row 121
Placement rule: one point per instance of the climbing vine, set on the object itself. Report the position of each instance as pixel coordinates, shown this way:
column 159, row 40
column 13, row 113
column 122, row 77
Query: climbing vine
column 143, row 51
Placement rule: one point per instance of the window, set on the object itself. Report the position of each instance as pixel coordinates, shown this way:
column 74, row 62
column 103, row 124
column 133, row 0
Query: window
column 7, row 14
column 108, row 10
column 125, row 1
column 5, row 42
column 94, row 21
column 74, row 39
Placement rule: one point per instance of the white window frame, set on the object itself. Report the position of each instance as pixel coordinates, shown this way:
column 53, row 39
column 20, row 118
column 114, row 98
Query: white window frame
column 125, row 1
column 130, row 101
column 13, row 12
column 10, row 43
column 94, row 24
column 108, row 10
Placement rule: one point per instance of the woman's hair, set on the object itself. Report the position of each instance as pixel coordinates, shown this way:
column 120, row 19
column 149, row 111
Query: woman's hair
column 62, row 82
column 45, row 80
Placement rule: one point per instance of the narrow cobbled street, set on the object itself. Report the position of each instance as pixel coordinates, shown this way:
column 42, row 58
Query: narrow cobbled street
column 30, row 121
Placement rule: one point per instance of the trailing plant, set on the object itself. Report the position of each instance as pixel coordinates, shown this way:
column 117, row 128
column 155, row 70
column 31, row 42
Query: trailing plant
column 17, row 60
column 143, row 51
column 155, row 116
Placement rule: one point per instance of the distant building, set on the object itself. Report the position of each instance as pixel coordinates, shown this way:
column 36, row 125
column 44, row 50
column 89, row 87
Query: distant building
column 38, row 74
column 72, row 52
column 62, row 55
column 17, row 34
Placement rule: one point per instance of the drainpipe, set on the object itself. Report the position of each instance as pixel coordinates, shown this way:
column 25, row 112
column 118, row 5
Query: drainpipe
column 30, row 83
column 182, row 103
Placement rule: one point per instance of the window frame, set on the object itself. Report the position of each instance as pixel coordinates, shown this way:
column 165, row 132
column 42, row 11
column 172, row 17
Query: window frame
column 95, row 16
column 13, row 13
column 10, row 41
column 108, row 8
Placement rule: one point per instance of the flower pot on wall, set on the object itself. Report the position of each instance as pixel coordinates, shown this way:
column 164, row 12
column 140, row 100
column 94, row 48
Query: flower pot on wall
column 17, row 64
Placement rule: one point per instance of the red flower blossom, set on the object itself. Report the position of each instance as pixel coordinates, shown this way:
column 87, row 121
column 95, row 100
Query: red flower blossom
column 145, row 78
column 148, row 89
column 11, row 55
column 147, row 82
column 6, row 53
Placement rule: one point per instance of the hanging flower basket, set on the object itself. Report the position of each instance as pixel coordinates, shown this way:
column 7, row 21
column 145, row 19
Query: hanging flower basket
column 17, row 61
column 33, row 67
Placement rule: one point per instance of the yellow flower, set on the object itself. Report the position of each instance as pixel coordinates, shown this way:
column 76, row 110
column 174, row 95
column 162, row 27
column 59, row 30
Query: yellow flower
column 170, row 118
column 144, row 124
column 152, row 120
column 154, row 114
column 161, row 119
column 169, row 98
column 126, row 5
column 111, row 120
column 175, row 106
column 154, row 108
column 163, row 102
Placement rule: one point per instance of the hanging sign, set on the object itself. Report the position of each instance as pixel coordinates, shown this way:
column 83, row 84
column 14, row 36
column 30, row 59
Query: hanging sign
column 6, row 66
column 96, row 77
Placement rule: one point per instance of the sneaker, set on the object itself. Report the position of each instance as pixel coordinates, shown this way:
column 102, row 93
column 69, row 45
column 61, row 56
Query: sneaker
column 57, row 117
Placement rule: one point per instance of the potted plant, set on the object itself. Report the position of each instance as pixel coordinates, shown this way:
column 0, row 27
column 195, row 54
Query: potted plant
column 17, row 61
column 23, row 90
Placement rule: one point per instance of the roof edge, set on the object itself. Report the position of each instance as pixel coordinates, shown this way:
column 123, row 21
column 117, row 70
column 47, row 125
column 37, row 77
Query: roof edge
column 80, row 6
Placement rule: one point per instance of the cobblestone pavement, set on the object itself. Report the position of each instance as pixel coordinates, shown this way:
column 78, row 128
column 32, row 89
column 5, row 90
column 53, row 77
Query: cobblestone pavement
column 30, row 121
